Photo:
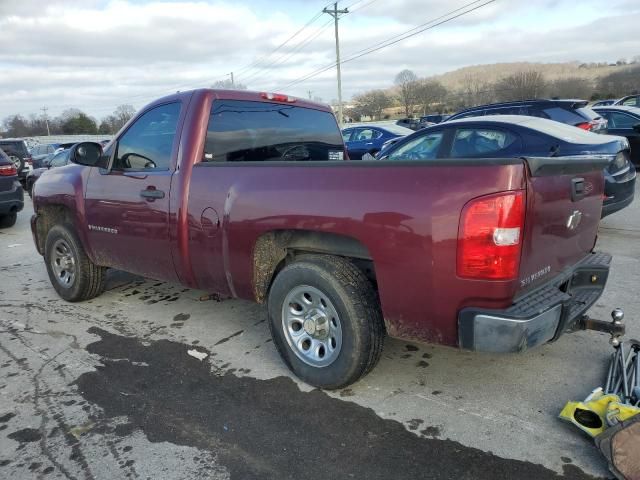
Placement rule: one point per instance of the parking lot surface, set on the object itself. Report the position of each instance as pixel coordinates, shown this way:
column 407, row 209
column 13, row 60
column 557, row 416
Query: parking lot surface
column 151, row 380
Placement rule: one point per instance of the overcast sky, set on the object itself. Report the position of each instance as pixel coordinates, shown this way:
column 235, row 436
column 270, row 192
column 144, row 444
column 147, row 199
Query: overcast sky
column 97, row 54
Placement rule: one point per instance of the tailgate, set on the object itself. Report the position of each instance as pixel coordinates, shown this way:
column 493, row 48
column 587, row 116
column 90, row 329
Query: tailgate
column 564, row 202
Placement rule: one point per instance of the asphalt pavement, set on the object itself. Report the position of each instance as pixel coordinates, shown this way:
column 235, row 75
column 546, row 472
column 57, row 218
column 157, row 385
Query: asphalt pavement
column 152, row 380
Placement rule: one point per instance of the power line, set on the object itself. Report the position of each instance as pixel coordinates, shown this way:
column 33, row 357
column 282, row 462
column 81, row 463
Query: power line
column 283, row 58
column 395, row 39
column 256, row 64
column 279, row 47
column 354, row 10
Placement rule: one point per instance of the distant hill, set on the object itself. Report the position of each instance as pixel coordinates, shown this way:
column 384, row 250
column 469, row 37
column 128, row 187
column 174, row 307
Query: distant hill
column 492, row 73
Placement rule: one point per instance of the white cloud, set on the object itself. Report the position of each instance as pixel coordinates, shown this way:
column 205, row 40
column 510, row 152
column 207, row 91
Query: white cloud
column 97, row 54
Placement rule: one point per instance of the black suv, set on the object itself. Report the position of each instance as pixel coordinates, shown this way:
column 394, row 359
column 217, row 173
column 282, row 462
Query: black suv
column 11, row 194
column 571, row 112
column 19, row 154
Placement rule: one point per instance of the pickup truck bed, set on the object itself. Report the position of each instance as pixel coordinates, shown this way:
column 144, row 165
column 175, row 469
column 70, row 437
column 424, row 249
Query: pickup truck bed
column 400, row 242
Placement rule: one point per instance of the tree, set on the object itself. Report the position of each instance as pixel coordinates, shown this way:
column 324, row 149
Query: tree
column 521, row 86
column 429, row 92
column 407, row 81
column 227, row 85
column 620, row 83
column 475, row 91
column 571, row 87
column 371, row 104
column 16, row 126
column 122, row 114
column 79, row 124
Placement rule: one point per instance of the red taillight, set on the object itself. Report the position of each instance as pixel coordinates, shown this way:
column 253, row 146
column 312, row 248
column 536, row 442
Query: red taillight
column 585, row 125
column 8, row 170
column 490, row 237
column 278, row 97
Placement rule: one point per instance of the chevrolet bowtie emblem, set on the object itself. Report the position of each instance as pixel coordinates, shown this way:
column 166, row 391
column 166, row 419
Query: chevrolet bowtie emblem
column 574, row 220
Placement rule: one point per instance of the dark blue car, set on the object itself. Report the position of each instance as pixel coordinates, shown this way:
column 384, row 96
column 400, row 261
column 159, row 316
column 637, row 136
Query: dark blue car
column 369, row 138
column 500, row 136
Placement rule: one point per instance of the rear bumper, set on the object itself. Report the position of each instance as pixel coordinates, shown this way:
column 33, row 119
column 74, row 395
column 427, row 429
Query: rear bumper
column 12, row 200
column 619, row 193
column 540, row 316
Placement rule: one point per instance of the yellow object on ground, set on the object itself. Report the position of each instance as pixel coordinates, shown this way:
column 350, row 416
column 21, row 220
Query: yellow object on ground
column 597, row 412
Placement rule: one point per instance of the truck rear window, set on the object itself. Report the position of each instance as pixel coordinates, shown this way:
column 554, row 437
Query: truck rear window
column 246, row 131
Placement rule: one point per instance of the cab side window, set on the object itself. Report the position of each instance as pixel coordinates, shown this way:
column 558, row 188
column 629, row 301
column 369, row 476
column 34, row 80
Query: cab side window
column 148, row 143
column 481, row 142
column 346, row 134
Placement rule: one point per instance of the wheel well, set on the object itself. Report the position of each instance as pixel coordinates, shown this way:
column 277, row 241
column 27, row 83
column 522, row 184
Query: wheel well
column 274, row 250
column 48, row 216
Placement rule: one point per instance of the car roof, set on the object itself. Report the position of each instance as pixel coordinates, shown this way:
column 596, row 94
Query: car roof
column 532, row 100
column 5, row 140
column 559, row 130
column 619, row 108
column 390, row 126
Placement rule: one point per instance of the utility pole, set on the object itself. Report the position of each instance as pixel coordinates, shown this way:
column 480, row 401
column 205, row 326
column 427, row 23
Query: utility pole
column 232, row 82
column 335, row 13
column 310, row 93
column 46, row 119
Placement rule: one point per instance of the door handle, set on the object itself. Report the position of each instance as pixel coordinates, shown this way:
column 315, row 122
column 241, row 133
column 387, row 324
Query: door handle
column 151, row 193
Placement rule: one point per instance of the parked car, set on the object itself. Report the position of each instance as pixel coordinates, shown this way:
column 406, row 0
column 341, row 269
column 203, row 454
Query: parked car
column 603, row 103
column 42, row 152
column 571, row 112
column 410, row 123
column 509, row 136
column 370, row 137
column 19, row 154
column 434, row 118
column 629, row 101
column 59, row 159
column 11, row 194
column 624, row 121
column 247, row 194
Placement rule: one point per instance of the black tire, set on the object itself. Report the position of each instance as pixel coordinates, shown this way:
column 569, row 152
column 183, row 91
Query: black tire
column 88, row 279
column 7, row 221
column 356, row 303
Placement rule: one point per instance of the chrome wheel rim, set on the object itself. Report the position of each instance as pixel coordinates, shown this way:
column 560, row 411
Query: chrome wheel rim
column 16, row 162
column 312, row 326
column 63, row 263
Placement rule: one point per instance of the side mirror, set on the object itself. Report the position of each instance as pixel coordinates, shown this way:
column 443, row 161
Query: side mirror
column 636, row 127
column 89, row 154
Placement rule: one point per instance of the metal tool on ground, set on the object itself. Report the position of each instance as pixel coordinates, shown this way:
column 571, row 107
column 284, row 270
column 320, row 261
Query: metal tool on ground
column 611, row 414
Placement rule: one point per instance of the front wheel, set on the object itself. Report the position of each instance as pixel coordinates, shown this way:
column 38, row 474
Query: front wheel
column 325, row 321
column 70, row 270
column 8, row 220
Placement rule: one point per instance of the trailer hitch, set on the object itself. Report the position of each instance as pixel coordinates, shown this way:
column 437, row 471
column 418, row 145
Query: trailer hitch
column 615, row 327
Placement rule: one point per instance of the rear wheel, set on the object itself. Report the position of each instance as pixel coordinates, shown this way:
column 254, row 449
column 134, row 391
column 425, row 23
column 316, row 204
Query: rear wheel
column 72, row 274
column 325, row 321
column 9, row 220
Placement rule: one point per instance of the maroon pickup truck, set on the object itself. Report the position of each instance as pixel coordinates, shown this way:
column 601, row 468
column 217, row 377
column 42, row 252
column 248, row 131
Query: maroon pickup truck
column 251, row 195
